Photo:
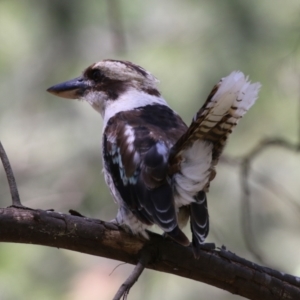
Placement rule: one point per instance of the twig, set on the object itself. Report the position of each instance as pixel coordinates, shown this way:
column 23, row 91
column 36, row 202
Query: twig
column 245, row 164
column 277, row 189
column 270, row 142
column 298, row 120
column 133, row 277
column 10, row 178
column 116, row 267
column 246, row 213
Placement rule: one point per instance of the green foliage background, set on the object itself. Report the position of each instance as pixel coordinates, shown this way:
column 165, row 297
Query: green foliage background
column 54, row 144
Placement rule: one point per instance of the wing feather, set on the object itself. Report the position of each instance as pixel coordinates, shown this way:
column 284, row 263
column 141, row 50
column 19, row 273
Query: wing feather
column 137, row 158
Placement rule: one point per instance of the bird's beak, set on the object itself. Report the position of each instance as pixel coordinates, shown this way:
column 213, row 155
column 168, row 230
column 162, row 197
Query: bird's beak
column 72, row 89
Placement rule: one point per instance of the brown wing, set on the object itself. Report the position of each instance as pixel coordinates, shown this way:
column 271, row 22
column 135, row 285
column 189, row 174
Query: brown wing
column 136, row 149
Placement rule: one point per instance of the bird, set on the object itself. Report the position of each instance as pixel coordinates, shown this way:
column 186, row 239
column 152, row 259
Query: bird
column 157, row 168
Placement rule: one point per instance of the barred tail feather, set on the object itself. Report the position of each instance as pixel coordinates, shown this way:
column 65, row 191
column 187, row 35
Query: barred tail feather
column 233, row 99
column 199, row 222
column 193, row 158
column 228, row 101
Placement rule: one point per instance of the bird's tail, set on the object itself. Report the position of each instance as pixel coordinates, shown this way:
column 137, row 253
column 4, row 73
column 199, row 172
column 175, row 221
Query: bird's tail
column 194, row 157
column 227, row 103
column 199, row 222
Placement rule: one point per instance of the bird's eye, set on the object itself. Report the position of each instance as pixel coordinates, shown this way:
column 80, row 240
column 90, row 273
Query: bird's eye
column 96, row 75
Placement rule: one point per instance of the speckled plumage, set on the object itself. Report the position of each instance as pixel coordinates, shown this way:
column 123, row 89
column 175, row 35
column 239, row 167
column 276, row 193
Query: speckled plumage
column 158, row 169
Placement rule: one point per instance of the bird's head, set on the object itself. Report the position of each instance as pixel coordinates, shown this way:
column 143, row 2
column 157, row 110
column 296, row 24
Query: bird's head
column 111, row 85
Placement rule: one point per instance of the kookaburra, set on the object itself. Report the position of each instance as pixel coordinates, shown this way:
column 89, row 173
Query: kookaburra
column 157, row 168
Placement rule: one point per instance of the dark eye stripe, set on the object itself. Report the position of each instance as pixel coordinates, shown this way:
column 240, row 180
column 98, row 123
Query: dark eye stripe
column 96, row 75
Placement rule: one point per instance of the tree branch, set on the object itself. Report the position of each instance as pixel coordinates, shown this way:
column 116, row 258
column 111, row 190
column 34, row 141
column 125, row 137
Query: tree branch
column 10, row 178
column 133, row 277
column 219, row 268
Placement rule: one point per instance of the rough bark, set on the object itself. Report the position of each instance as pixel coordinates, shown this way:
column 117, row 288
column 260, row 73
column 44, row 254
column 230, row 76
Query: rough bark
column 217, row 267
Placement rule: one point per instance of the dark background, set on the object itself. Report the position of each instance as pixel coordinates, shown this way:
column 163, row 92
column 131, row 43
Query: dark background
column 54, row 144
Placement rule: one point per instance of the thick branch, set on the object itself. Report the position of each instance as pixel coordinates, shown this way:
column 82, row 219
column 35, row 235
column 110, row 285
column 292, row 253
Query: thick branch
column 220, row 268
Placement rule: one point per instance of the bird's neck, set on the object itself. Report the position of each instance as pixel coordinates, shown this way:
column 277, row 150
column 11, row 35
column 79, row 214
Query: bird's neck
column 130, row 100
